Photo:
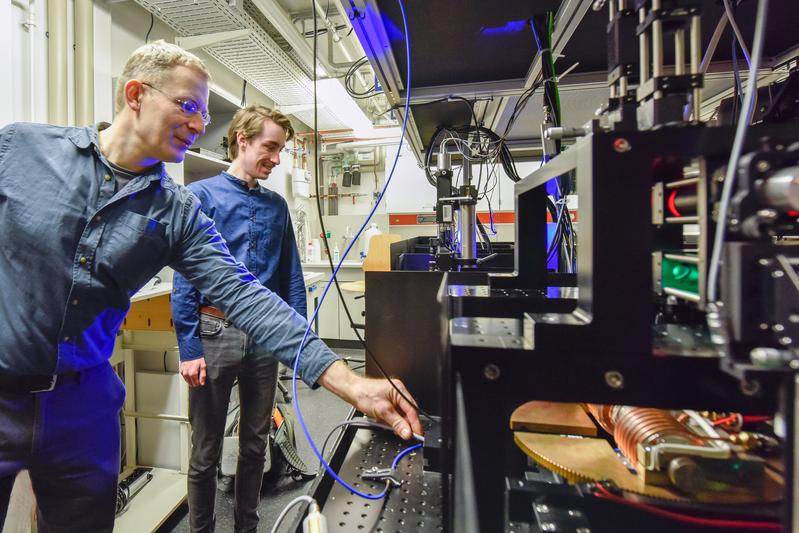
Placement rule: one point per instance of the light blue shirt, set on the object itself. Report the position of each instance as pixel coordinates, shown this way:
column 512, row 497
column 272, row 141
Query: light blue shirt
column 73, row 251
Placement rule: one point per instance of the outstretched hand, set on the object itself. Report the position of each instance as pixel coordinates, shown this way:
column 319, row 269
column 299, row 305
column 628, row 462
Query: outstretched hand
column 375, row 398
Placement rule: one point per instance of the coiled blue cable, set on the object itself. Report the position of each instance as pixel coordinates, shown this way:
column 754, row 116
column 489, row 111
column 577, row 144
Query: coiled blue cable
column 296, row 402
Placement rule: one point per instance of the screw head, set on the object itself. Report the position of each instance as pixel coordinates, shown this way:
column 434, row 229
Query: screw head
column 794, row 364
column 750, row 388
column 614, row 379
column 785, row 341
column 768, row 214
column 793, row 318
column 777, row 328
column 622, row 145
column 777, row 274
column 491, row 372
column 763, row 166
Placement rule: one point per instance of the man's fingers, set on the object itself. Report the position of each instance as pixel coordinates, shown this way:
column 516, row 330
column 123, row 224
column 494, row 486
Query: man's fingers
column 411, row 416
column 399, row 424
column 194, row 372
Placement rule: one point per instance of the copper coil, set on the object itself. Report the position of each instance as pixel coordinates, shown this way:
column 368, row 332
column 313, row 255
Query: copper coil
column 603, row 415
column 631, row 426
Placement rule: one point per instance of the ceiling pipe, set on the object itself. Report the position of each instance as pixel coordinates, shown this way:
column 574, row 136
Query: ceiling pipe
column 331, row 28
column 279, row 18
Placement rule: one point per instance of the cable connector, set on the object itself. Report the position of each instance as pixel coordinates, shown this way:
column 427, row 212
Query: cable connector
column 315, row 522
column 381, row 474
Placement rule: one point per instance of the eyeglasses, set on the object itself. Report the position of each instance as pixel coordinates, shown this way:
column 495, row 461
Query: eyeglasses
column 188, row 106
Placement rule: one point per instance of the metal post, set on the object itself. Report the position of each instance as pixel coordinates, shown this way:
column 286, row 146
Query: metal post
column 623, row 86
column 696, row 61
column 467, row 219
column 657, row 47
column 679, row 52
column 643, row 48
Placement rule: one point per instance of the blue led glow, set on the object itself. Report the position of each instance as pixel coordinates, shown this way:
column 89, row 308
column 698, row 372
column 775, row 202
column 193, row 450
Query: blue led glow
column 512, row 26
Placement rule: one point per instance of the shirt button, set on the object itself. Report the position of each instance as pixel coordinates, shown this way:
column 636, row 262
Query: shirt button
column 83, row 260
column 66, row 338
column 107, row 177
column 98, row 218
column 75, row 301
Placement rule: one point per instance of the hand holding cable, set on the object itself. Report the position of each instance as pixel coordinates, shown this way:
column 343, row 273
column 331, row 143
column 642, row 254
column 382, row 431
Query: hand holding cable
column 375, row 398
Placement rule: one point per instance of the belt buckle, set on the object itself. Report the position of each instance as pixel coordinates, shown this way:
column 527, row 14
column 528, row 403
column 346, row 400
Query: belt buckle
column 53, row 381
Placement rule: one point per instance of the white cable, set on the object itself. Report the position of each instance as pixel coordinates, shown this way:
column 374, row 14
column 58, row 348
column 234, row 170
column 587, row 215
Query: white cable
column 735, row 28
column 739, row 36
column 740, row 134
column 714, row 42
column 285, row 511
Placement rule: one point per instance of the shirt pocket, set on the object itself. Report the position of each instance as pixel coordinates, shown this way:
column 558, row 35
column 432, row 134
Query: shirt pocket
column 132, row 250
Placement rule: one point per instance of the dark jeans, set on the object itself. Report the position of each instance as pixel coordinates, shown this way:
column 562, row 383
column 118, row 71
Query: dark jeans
column 229, row 355
column 69, row 440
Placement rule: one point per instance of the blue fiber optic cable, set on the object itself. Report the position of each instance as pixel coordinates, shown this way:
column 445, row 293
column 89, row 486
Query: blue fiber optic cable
column 296, row 402
column 403, row 453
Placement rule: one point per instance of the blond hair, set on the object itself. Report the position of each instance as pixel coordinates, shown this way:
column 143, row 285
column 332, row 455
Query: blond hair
column 152, row 63
column 250, row 121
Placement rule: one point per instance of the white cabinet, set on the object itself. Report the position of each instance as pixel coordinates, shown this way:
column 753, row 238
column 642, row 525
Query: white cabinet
column 328, row 316
column 332, row 320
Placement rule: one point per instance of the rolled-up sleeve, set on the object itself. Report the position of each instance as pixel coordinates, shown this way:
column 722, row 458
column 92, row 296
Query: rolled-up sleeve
column 202, row 257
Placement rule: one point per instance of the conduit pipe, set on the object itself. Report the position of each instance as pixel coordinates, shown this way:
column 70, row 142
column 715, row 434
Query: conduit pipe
column 84, row 62
column 57, row 62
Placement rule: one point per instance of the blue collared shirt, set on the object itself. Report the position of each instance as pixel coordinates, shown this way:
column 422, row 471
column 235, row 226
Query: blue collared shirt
column 256, row 226
column 73, row 251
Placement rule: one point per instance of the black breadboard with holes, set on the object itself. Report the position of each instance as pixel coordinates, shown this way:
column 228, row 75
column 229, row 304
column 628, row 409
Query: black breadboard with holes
column 415, row 506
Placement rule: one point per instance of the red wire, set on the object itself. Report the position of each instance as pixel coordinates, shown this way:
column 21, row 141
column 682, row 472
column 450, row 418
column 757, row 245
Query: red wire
column 688, row 519
column 721, row 421
column 755, row 419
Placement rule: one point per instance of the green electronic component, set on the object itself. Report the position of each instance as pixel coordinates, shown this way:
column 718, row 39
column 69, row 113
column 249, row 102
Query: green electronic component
column 680, row 275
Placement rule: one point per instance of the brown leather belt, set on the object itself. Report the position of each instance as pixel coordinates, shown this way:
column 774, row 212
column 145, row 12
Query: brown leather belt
column 213, row 311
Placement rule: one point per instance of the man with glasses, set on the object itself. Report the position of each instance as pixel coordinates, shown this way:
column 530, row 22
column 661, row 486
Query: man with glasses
column 256, row 226
column 87, row 216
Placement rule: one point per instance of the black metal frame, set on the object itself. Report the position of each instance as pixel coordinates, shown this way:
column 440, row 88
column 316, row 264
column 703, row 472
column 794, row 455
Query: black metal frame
column 603, row 351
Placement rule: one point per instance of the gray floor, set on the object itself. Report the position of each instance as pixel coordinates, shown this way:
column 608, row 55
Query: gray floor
column 322, row 411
